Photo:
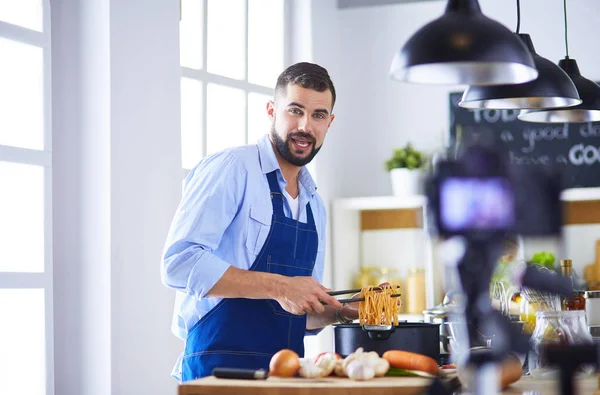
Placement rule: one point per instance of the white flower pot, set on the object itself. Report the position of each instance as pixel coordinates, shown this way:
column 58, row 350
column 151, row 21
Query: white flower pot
column 406, row 182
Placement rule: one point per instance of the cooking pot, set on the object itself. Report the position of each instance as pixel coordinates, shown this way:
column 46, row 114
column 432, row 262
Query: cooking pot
column 440, row 315
column 419, row 337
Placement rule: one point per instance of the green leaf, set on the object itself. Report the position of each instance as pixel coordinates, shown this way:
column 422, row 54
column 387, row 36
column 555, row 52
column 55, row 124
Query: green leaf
column 406, row 157
column 396, row 372
column 544, row 258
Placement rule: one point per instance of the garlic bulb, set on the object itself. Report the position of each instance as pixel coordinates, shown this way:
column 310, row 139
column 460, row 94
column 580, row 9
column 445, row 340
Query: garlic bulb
column 339, row 369
column 357, row 370
column 349, row 359
column 310, row 371
column 327, row 362
column 381, row 367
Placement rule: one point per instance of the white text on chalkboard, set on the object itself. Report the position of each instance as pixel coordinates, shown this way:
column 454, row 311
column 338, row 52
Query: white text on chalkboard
column 528, row 160
column 590, row 130
column 493, row 116
column 546, row 133
column 580, row 154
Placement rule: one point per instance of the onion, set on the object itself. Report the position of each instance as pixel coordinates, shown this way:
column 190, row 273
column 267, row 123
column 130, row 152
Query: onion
column 284, row 363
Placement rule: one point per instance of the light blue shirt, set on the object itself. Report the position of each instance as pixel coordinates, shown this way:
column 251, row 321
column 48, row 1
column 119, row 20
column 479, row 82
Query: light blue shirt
column 223, row 220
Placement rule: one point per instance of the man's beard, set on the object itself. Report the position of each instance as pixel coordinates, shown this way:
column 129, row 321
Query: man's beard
column 283, row 147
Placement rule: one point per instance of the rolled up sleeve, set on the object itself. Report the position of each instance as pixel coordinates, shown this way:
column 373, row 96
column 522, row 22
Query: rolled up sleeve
column 211, row 198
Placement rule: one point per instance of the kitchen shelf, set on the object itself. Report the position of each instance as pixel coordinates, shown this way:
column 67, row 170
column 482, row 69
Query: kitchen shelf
column 382, row 202
column 347, row 214
column 346, row 239
column 580, row 194
column 416, row 201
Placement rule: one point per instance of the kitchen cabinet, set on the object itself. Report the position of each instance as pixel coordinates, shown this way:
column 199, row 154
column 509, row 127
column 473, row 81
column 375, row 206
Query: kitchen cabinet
column 383, row 231
column 389, row 230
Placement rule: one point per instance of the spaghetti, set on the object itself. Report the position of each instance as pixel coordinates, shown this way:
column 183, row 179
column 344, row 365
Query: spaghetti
column 379, row 306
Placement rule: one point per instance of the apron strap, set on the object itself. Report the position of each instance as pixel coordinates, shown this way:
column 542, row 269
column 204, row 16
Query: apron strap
column 277, row 199
column 276, row 195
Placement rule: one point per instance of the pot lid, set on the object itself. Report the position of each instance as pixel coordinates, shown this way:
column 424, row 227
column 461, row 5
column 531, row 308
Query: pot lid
column 451, row 304
column 442, row 310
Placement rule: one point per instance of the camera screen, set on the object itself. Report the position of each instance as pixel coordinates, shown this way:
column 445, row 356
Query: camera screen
column 476, row 204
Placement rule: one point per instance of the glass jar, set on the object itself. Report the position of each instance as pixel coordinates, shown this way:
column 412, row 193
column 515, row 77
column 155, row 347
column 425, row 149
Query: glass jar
column 392, row 276
column 556, row 327
column 592, row 308
column 575, row 301
column 368, row 276
column 384, row 275
column 527, row 315
column 415, row 291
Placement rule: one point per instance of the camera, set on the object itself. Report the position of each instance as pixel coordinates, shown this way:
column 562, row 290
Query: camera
column 480, row 196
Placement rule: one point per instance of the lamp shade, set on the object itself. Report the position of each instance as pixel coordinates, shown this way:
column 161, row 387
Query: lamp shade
column 587, row 111
column 552, row 88
column 464, row 46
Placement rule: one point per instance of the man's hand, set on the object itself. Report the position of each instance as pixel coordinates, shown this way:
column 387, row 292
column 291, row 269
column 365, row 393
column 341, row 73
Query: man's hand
column 303, row 295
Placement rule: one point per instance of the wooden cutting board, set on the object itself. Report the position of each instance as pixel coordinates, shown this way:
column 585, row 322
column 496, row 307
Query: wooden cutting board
column 299, row 386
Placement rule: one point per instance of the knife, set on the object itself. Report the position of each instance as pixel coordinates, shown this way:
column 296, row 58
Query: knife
column 244, row 374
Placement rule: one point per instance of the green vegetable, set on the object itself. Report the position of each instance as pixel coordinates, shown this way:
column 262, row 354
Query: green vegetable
column 406, row 157
column 544, row 258
column 396, row 372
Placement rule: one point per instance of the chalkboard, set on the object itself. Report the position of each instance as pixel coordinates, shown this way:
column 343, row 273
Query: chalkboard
column 572, row 149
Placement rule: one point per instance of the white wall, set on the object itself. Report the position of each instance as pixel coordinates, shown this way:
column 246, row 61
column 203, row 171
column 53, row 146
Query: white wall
column 117, row 165
column 145, row 190
column 66, row 76
column 117, row 157
column 376, row 114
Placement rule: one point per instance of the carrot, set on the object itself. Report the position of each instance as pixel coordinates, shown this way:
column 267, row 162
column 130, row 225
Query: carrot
column 411, row 361
column 512, row 370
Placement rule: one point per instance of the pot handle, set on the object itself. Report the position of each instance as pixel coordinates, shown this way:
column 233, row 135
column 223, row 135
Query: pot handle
column 379, row 333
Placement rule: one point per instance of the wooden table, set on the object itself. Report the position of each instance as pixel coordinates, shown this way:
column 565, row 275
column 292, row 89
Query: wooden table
column 344, row 386
column 301, row 386
column 527, row 384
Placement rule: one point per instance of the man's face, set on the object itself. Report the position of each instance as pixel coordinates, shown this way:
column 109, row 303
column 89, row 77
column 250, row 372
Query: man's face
column 300, row 119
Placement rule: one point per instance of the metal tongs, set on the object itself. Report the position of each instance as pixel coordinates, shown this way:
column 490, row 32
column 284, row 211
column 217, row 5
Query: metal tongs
column 354, row 291
column 374, row 331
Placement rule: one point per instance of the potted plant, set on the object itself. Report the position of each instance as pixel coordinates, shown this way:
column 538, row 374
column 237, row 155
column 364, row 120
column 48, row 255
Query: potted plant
column 405, row 167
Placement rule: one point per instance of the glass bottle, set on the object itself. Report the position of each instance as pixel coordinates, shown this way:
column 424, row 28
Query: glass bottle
column 566, row 268
column 575, row 301
column 415, row 291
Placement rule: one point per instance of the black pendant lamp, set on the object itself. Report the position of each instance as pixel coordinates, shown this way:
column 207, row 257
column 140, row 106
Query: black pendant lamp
column 589, row 92
column 552, row 88
column 463, row 47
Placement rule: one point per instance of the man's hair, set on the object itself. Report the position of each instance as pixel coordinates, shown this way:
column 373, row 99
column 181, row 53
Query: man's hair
column 308, row 76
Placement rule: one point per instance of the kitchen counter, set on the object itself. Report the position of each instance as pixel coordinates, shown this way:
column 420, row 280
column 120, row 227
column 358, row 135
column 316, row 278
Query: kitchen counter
column 382, row 386
column 527, row 385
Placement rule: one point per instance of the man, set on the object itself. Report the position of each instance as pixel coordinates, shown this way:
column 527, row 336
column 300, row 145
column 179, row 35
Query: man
column 246, row 247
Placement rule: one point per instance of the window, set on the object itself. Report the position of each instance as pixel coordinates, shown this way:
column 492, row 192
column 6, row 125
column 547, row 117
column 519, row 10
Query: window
column 231, row 54
column 25, row 202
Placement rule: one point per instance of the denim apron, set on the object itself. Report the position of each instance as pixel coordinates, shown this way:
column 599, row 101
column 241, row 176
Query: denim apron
column 245, row 333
